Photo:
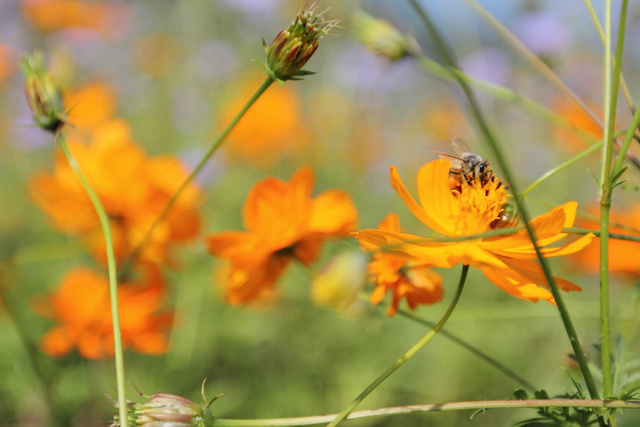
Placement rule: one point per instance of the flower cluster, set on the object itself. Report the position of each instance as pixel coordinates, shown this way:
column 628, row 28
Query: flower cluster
column 81, row 306
column 133, row 190
column 412, row 280
column 508, row 261
column 283, row 223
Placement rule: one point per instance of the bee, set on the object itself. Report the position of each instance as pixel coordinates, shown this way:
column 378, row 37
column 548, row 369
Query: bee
column 466, row 165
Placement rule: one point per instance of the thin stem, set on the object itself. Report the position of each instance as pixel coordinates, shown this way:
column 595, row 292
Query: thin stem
column 606, row 181
column 408, row 355
column 113, row 281
column 502, row 93
column 212, row 149
column 438, row 407
column 616, row 236
column 626, row 143
column 522, row 209
column 623, row 83
column 475, row 350
column 540, row 66
column 562, row 166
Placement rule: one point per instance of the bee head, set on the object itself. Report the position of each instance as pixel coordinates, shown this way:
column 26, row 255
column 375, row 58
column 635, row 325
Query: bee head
column 482, row 168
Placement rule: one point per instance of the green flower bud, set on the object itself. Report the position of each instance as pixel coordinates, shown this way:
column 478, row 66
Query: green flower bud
column 43, row 96
column 382, row 38
column 167, row 410
column 294, row 46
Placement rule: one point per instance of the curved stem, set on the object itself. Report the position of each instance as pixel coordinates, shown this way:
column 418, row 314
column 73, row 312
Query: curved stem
column 438, row 407
column 113, row 281
column 476, row 351
column 445, row 52
column 408, row 355
column 212, row 149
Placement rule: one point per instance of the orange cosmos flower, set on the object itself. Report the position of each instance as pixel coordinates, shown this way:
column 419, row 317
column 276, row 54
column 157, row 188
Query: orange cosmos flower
column 133, row 188
column 409, row 279
column 81, row 307
column 284, row 222
column 52, row 15
column 508, row 261
column 624, row 255
column 90, row 105
column 575, row 115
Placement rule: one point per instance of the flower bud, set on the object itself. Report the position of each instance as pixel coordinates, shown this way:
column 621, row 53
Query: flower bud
column 43, row 96
column 382, row 38
column 293, row 46
column 167, row 410
column 340, row 282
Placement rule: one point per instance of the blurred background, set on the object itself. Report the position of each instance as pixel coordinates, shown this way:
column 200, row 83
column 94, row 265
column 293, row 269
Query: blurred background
column 176, row 73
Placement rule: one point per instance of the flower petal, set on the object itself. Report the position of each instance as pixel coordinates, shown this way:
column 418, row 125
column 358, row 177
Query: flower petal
column 435, row 195
column 228, row 244
column 517, row 285
column 414, row 207
column 396, row 243
column 528, row 252
column 532, row 271
column 548, row 229
column 332, row 212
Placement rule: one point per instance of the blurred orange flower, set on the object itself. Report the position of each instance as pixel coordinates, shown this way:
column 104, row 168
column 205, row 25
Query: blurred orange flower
column 271, row 128
column 90, row 105
column 54, row 15
column 570, row 140
column 82, row 309
column 7, row 62
column 508, row 261
column 284, row 222
column 133, row 188
column 410, row 279
column 624, row 255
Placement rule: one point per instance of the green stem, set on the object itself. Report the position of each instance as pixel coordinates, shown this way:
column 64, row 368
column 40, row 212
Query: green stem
column 408, row 355
column 524, row 213
column 502, row 93
column 543, row 68
column 623, row 84
column 562, row 166
column 606, row 181
column 113, row 281
column 476, row 351
column 626, row 143
column 597, row 234
column 212, row 149
column 439, row 407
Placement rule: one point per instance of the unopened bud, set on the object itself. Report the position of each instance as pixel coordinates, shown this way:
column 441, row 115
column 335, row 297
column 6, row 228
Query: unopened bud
column 382, row 38
column 294, row 46
column 43, row 96
column 167, row 410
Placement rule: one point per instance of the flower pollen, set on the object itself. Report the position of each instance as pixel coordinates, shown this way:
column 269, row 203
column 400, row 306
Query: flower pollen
column 480, row 205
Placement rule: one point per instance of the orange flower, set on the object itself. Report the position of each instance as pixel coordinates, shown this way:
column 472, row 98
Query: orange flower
column 283, row 223
column 508, row 261
column 90, row 105
column 624, row 255
column 53, row 15
column 409, row 279
column 81, row 307
column 568, row 139
column 271, row 128
column 133, row 188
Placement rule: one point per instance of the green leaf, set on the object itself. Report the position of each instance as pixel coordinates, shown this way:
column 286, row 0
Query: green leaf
column 520, row 394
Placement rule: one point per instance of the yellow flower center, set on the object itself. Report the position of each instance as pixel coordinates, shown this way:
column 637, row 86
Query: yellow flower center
column 480, row 205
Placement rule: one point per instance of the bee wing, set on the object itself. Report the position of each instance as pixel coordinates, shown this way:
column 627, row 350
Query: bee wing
column 457, row 161
column 459, row 146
